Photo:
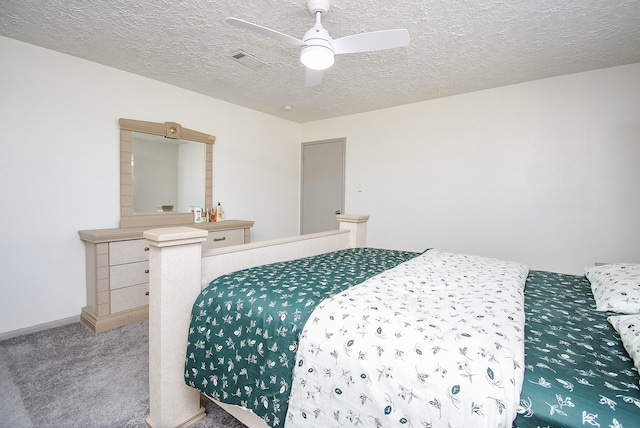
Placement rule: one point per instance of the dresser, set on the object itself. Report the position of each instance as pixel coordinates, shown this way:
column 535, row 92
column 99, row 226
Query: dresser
column 117, row 262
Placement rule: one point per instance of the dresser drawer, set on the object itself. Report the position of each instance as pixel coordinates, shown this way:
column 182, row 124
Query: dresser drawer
column 128, row 251
column 129, row 274
column 129, row 298
column 223, row 238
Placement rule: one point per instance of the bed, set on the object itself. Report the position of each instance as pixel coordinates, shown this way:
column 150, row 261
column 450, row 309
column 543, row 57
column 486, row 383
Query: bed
column 349, row 364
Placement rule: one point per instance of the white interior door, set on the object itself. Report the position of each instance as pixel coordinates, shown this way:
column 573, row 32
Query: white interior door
column 323, row 165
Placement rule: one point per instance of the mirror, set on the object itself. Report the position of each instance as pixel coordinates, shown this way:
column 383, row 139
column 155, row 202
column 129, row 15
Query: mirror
column 167, row 175
column 164, row 169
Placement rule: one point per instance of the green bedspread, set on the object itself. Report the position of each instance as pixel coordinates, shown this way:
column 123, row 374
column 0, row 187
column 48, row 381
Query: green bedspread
column 577, row 372
column 236, row 358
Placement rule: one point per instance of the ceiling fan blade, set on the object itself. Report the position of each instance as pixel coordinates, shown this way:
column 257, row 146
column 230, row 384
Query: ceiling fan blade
column 265, row 31
column 373, row 41
column 314, row 77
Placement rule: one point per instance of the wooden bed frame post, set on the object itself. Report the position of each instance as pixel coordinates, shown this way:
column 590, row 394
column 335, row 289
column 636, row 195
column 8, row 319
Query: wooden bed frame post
column 357, row 225
column 174, row 283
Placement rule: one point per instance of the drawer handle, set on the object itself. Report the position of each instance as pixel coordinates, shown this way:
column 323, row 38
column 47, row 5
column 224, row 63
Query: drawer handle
column 219, row 239
column 146, row 271
column 146, row 248
column 146, row 294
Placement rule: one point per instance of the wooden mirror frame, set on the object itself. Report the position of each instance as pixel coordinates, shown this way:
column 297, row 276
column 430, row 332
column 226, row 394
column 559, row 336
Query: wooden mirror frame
column 168, row 130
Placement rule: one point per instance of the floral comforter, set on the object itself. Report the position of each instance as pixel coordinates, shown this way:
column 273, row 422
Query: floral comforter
column 245, row 326
column 437, row 341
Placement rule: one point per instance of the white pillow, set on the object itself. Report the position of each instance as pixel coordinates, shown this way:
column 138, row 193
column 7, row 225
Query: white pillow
column 628, row 327
column 616, row 287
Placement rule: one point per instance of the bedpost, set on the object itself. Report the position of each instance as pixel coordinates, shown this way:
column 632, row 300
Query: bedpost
column 357, row 225
column 175, row 258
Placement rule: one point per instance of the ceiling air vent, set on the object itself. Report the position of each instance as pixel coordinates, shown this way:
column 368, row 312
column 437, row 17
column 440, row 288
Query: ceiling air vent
column 247, row 59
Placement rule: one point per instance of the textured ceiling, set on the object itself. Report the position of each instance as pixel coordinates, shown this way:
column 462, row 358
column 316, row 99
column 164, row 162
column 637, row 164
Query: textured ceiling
column 456, row 46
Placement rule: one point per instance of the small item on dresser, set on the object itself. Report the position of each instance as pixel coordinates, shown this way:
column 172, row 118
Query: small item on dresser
column 206, row 216
column 212, row 216
column 197, row 215
column 219, row 212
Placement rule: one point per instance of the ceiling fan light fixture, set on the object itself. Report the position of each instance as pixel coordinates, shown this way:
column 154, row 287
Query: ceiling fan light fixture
column 317, row 57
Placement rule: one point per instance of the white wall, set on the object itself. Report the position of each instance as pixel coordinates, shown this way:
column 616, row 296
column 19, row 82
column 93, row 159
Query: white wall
column 545, row 172
column 59, row 169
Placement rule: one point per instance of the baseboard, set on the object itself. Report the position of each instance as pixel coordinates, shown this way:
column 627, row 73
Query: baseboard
column 107, row 322
column 39, row 327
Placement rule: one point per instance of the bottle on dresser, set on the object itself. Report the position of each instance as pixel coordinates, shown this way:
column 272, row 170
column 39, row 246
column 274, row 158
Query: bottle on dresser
column 219, row 212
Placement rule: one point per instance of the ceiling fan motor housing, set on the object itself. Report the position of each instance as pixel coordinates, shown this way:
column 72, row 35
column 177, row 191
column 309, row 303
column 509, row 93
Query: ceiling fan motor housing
column 315, row 6
column 318, row 36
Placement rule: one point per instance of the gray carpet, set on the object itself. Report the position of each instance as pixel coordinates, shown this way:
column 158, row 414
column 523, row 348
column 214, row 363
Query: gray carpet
column 69, row 377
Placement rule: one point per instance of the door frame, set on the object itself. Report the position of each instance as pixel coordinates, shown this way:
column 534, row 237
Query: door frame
column 342, row 140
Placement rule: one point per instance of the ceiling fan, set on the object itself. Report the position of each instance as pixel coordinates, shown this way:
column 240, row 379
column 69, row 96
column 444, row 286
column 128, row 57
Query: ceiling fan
column 318, row 48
